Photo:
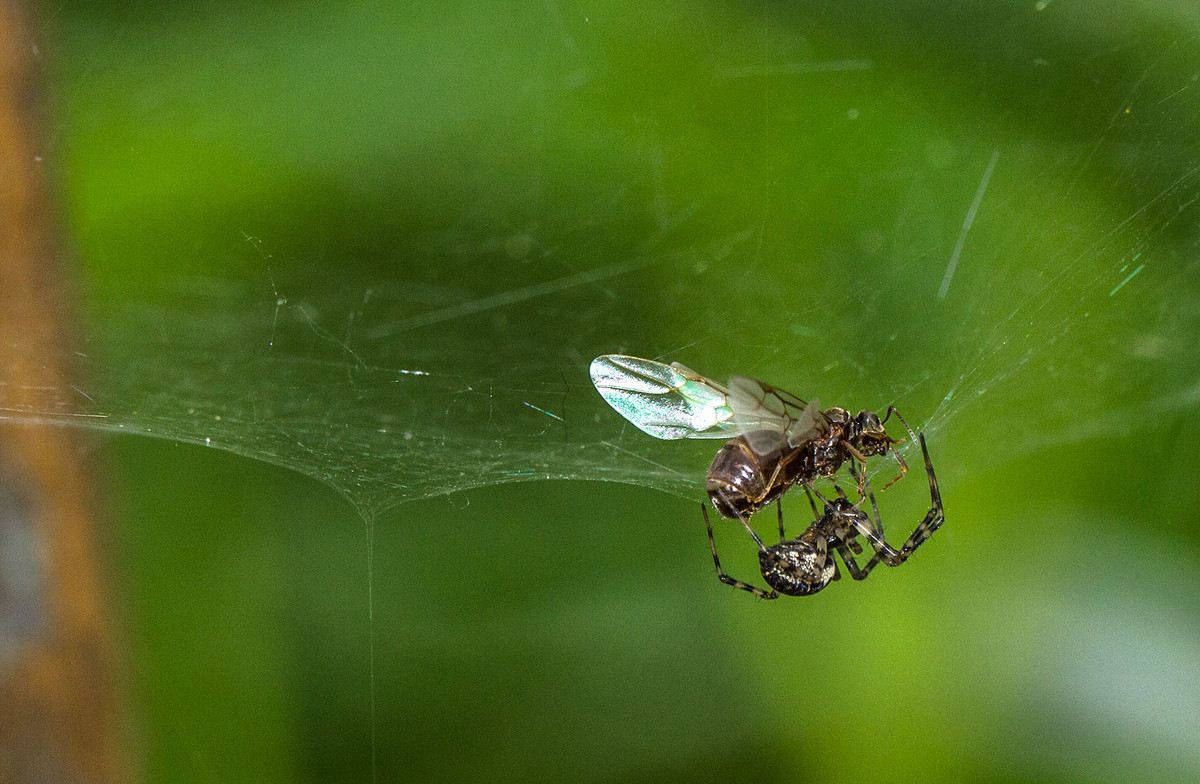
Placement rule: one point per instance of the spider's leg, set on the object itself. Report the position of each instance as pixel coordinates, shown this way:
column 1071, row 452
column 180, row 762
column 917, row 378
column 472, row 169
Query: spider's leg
column 852, row 541
column 874, row 534
column 779, row 506
column 837, row 575
column 932, row 521
column 878, row 529
column 935, row 495
column 745, row 524
column 852, row 564
column 936, row 514
column 759, row 592
column 808, row 491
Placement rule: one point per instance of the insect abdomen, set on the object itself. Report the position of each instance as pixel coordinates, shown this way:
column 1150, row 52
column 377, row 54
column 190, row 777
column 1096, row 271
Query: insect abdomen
column 737, row 484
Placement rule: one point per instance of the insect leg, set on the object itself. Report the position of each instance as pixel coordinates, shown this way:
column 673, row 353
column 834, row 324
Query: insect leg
column 759, row 592
column 893, row 410
column 899, row 460
column 856, row 455
column 903, row 469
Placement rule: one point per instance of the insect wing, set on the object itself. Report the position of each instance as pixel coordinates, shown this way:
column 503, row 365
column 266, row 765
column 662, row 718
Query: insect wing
column 769, row 418
column 810, row 424
column 665, row 401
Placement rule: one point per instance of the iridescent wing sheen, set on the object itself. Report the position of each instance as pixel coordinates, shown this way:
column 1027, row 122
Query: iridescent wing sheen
column 769, row 418
column 665, row 401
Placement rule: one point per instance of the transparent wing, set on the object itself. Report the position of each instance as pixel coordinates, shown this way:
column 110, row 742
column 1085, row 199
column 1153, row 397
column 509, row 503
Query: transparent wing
column 811, row 424
column 768, row 417
column 665, row 401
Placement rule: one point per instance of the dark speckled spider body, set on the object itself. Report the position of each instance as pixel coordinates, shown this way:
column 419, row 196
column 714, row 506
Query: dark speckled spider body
column 804, row 565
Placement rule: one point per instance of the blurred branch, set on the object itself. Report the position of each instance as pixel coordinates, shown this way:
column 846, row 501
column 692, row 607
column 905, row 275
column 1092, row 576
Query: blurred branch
column 58, row 706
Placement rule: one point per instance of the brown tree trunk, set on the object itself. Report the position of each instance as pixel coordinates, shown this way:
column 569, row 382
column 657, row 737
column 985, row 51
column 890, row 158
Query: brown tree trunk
column 58, row 706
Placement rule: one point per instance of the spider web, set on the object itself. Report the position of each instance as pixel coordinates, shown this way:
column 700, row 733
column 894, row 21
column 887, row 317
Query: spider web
column 398, row 294
column 378, row 244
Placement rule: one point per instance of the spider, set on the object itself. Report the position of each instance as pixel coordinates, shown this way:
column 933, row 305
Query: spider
column 804, row 565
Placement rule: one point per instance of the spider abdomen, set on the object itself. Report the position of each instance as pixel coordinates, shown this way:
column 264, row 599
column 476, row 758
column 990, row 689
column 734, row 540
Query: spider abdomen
column 798, row 567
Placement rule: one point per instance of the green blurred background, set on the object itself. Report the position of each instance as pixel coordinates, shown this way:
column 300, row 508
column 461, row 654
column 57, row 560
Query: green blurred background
column 346, row 265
